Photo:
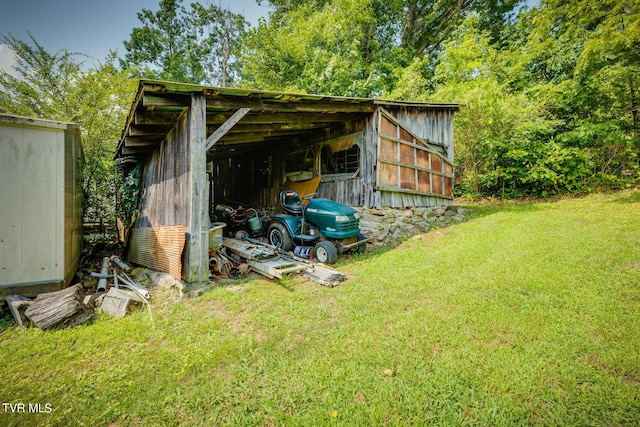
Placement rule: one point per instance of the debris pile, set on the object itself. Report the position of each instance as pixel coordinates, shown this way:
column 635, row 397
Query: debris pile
column 59, row 310
column 235, row 258
column 71, row 306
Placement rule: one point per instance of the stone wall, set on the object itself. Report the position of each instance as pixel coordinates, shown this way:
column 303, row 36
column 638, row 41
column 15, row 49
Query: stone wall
column 390, row 224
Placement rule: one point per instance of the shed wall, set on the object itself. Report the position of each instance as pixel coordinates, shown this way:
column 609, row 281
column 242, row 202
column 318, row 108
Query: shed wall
column 173, row 191
column 41, row 229
column 437, row 125
column 165, row 182
column 408, row 173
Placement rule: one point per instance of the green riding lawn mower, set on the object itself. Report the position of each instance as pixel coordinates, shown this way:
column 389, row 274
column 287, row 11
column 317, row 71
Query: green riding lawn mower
column 329, row 227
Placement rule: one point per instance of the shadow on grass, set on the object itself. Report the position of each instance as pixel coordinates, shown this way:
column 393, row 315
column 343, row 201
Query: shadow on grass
column 478, row 210
column 632, row 196
column 284, row 283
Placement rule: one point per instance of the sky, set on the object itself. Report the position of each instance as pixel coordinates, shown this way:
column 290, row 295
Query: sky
column 90, row 27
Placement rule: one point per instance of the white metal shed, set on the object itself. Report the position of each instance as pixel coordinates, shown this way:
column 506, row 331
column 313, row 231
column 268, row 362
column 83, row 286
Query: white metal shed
column 40, row 205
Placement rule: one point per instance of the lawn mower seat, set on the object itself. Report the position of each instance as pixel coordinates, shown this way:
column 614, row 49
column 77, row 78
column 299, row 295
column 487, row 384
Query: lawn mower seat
column 290, row 202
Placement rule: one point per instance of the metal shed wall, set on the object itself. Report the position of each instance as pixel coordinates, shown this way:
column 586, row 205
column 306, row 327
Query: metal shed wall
column 40, row 208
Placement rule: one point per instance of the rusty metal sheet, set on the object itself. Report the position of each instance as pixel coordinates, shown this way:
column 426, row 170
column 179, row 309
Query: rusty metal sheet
column 159, row 248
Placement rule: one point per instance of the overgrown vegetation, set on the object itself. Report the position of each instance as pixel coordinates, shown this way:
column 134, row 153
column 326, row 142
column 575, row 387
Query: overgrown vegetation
column 525, row 314
column 56, row 86
column 549, row 94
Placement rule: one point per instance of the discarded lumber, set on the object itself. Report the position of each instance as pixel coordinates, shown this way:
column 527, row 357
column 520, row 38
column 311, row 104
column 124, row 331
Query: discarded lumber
column 120, row 302
column 273, row 262
column 18, row 305
column 61, row 309
column 324, row 275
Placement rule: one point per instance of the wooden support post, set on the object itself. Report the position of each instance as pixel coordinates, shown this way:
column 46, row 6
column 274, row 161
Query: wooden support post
column 226, row 127
column 196, row 259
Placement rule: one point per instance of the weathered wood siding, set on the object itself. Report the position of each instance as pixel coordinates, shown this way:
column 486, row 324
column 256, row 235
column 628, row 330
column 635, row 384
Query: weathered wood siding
column 348, row 192
column 435, row 125
column 166, row 181
column 174, row 188
column 408, row 173
column 232, row 182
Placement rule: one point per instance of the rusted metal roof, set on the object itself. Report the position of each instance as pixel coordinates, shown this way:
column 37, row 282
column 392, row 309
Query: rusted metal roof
column 272, row 115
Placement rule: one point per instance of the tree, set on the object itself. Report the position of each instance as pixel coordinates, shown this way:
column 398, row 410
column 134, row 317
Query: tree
column 316, row 51
column 364, row 45
column 504, row 138
column 337, row 47
column 193, row 45
column 56, row 87
column 223, row 30
column 587, row 55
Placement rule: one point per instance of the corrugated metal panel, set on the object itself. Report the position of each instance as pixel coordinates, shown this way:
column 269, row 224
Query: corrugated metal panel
column 159, row 248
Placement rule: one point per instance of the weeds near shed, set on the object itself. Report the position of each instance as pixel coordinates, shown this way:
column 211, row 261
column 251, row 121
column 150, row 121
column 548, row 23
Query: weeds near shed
column 525, row 314
column 6, row 320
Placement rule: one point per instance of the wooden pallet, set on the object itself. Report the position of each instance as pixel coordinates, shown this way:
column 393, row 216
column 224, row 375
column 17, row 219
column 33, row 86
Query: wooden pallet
column 277, row 268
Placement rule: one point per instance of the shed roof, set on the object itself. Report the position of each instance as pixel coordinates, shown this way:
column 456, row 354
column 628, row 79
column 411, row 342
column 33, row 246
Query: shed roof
column 270, row 116
column 10, row 119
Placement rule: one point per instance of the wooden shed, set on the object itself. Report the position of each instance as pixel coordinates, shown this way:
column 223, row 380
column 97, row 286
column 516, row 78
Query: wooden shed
column 241, row 146
column 40, row 205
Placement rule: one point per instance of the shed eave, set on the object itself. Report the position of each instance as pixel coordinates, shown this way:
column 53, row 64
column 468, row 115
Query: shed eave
column 158, row 104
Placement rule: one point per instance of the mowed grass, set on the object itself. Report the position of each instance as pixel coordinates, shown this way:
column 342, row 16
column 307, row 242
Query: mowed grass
column 524, row 315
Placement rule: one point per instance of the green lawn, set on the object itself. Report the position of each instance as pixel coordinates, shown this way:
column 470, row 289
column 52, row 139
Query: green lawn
column 524, row 315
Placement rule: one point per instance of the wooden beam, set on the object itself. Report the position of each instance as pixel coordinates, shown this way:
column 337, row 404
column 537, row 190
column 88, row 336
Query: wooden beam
column 232, row 138
column 155, row 130
column 142, row 141
column 155, row 118
column 134, row 151
column 196, row 257
column 233, row 103
column 171, row 101
column 288, row 118
column 259, row 128
column 278, row 105
column 225, row 127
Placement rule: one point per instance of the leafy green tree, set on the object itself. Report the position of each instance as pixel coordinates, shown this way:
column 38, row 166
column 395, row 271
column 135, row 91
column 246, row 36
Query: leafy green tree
column 57, row 87
column 369, row 43
column 194, row 45
column 329, row 50
column 504, row 142
column 222, row 32
column 588, row 64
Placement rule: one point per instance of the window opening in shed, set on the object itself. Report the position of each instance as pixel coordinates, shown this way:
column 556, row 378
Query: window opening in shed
column 299, row 164
column 340, row 159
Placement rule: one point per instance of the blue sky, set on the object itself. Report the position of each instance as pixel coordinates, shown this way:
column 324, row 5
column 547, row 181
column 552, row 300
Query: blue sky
column 88, row 26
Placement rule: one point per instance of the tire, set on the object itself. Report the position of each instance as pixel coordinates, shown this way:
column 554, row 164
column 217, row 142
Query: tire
column 325, row 252
column 279, row 237
column 361, row 247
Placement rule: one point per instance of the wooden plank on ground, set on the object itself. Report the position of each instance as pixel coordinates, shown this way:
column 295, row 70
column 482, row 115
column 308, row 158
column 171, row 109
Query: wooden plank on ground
column 18, row 305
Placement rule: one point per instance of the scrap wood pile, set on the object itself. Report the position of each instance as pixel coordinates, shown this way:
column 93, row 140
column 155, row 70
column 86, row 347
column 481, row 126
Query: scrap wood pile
column 71, row 306
column 238, row 257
